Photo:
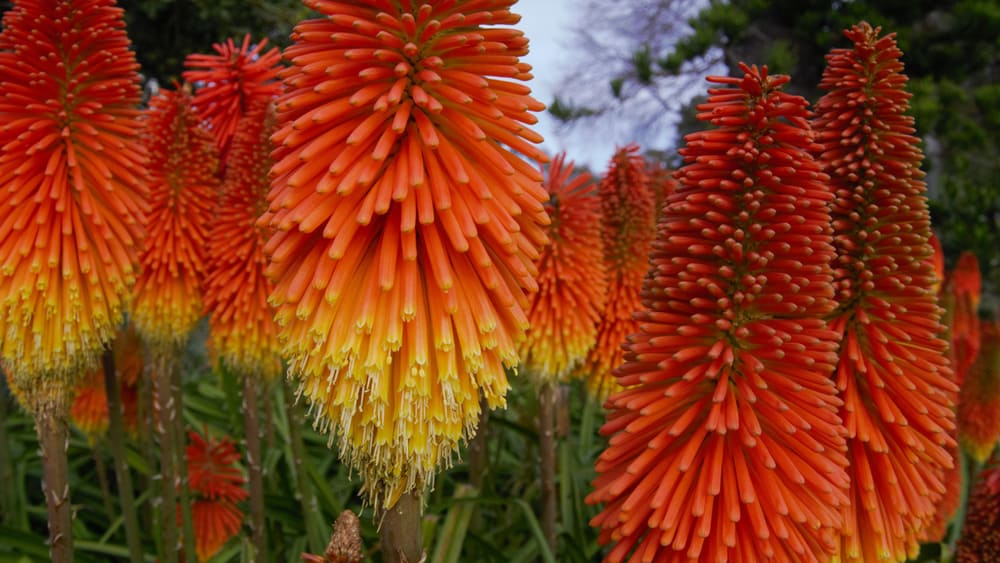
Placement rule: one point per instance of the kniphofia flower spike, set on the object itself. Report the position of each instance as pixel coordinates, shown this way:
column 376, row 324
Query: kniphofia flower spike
column 89, row 411
column 406, row 225
column 565, row 310
column 979, row 399
column 217, row 485
column 71, row 179
column 893, row 372
column 725, row 444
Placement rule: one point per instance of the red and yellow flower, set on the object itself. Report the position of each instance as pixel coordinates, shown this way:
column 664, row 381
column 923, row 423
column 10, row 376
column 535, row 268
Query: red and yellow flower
column 565, row 310
column 406, row 225
column 183, row 161
column 893, row 373
column 89, row 411
column 71, row 174
column 726, row 443
column 979, row 398
column 627, row 232
column 217, row 484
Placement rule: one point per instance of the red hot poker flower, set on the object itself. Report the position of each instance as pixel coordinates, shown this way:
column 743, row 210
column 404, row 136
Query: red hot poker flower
column 979, row 399
column 565, row 310
column 965, row 286
column 627, row 232
column 72, row 185
column 406, row 225
column 183, row 185
column 217, row 485
column 725, row 444
column 230, row 83
column 893, row 373
column 89, row 411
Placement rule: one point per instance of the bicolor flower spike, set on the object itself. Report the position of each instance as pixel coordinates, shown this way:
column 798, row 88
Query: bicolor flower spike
column 217, row 485
column 183, row 161
column 979, row 541
column 726, row 443
column 72, row 185
column 230, row 83
column 565, row 310
column 406, row 225
column 89, row 411
column 893, row 373
column 627, row 232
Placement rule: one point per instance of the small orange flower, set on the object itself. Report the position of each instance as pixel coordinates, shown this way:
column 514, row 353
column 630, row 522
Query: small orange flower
column 406, row 225
column 217, row 485
column 627, row 232
column 72, row 179
column 725, row 444
column 893, row 373
column 979, row 398
column 565, row 310
column 89, row 411
column 980, row 538
column 230, row 83
column 182, row 167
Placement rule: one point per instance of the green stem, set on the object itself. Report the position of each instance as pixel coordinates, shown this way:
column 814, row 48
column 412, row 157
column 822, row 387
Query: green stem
column 168, row 475
column 8, row 496
column 180, row 459
column 547, row 457
column 116, row 435
column 251, row 422
column 307, row 497
column 478, row 449
column 102, row 480
column 400, row 533
column 53, row 436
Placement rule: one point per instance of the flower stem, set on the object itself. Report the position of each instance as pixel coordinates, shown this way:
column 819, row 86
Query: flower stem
column 400, row 534
column 251, row 421
column 102, row 479
column 547, row 456
column 307, row 497
column 479, row 450
column 168, row 474
column 116, row 435
column 53, row 435
column 180, row 461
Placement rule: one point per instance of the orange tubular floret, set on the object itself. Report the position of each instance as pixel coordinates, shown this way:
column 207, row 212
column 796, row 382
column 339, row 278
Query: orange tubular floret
column 72, row 184
column 405, row 227
column 565, row 310
column 725, row 443
column 627, row 231
column 183, row 185
column 893, row 372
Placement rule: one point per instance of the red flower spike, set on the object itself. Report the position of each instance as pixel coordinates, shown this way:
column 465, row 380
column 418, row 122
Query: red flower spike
column 979, row 399
column 243, row 332
column 215, row 523
column 565, row 310
column 406, row 225
column 212, row 469
column 627, row 232
column 980, row 538
column 725, row 444
column 183, row 185
column 893, row 372
column 72, row 185
column 230, row 83
column 965, row 286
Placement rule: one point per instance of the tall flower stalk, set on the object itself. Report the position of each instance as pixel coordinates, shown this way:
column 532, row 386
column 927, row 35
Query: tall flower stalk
column 168, row 296
column 565, row 310
column 236, row 97
column 893, row 373
column 406, row 229
column 726, row 444
column 71, row 176
column 627, row 231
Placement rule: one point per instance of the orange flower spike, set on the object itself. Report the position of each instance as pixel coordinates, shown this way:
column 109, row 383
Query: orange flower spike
column 565, row 310
column 980, row 538
column 244, row 334
column 183, row 184
column 217, row 485
column 725, row 444
column 72, row 179
column 89, row 411
column 965, row 286
column 406, row 226
column 979, row 399
column 230, row 83
column 627, row 232
column 893, row 372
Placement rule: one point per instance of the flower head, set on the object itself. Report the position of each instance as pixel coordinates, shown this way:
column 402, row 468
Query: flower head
column 627, row 232
column 183, row 185
column 965, row 287
column 893, row 373
column 565, row 310
column 979, row 398
column 216, row 485
column 725, row 443
column 980, row 538
column 406, row 225
column 231, row 82
column 89, row 411
column 71, row 175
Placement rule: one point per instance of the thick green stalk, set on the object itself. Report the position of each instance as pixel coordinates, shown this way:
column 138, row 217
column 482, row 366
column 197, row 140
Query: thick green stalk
column 251, row 424
column 400, row 533
column 53, row 436
column 180, row 459
column 478, row 450
column 116, row 435
column 163, row 367
column 307, row 496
